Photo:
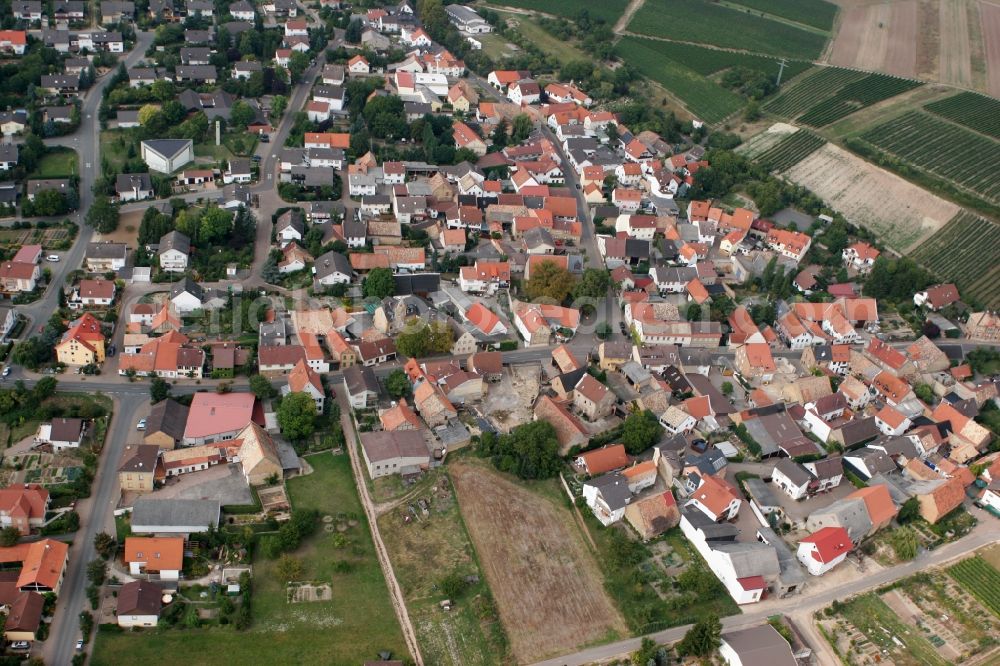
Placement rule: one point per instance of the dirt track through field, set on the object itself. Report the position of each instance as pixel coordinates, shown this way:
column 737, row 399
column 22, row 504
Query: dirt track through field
column 956, row 54
column 547, row 586
column 990, row 17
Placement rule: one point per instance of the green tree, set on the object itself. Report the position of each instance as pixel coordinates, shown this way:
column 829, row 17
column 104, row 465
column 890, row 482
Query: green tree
column 924, row 392
column 379, row 284
column 278, row 106
column 147, row 113
column 104, row 544
column 103, row 215
column 9, row 536
column 529, row 451
column 521, row 128
column 702, row 639
column 96, row 571
column 352, row 35
column 159, row 390
column 397, row 384
column 910, row 510
column 241, row 115
column 727, row 388
column 261, row 387
column 297, row 416
column 904, row 542
column 288, row 569
column 640, row 431
column 453, row 585
column 648, row 654
column 594, row 283
column 216, row 225
column 297, row 65
column 549, row 281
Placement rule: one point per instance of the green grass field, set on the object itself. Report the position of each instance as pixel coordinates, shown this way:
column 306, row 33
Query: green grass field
column 704, row 98
column 966, row 251
column 57, row 163
column 815, row 13
column 353, row 627
column 608, row 10
column 707, row 23
column 563, row 51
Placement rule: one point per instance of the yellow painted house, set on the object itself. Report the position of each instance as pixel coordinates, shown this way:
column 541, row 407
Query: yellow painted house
column 82, row 344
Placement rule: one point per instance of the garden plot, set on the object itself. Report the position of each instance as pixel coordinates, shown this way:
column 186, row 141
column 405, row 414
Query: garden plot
column 902, row 214
column 509, row 402
column 39, row 467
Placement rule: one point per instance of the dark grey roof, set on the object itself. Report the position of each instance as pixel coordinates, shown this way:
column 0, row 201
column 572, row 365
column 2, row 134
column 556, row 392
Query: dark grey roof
column 718, row 532
column 873, row 459
column 330, row 263
column 827, row 468
column 417, row 283
column 169, row 417
column 142, row 459
column 795, row 472
column 187, row 285
column 196, row 72
column 760, row 646
column 711, row 461
column 106, row 250
column 169, row 148
column 614, row 490
column 126, row 182
column 762, row 493
column 896, row 446
column 174, row 240
column 150, row 514
column 857, row 431
column 359, row 378
column 8, row 152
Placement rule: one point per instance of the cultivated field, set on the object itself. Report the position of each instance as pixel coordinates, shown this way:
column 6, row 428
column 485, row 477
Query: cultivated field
column 815, row 13
column 975, row 111
column 967, row 252
column 714, row 24
column 951, row 152
column 981, row 580
column 608, row 10
column 790, row 151
column 708, row 61
column 704, row 98
column 901, row 213
column 811, row 89
column 547, row 586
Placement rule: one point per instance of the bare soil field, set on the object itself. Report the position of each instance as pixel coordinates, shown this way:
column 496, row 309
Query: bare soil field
column 956, row 53
column 879, row 37
column 767, row 139
column 901, row 213
column 127, row 231
column 547, row 586
column 951, row 41
column 990, row 18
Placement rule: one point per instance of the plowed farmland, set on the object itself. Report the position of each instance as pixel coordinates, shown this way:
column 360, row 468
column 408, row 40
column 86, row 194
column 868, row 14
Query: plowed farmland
column 546, row 584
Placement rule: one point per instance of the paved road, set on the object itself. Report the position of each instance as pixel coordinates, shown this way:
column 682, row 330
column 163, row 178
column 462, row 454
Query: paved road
column 986, row 532
column 95, row 516
column 86, row 141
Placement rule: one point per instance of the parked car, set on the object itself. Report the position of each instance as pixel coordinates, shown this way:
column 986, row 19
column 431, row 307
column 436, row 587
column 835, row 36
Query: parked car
column 141, row 425
column 6, row 371
column 79, row 645
column 699, row 445
column 265, row 138
column 623, row 327
column 52, row 257
column 20, row 645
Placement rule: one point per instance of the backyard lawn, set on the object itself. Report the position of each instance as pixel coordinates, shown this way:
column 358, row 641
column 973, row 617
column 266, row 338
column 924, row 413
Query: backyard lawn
column 355, row 626
column 57, row 163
